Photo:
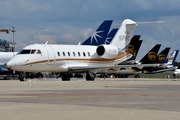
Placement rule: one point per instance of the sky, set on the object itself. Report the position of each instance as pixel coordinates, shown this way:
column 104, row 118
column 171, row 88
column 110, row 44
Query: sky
column 73, row 21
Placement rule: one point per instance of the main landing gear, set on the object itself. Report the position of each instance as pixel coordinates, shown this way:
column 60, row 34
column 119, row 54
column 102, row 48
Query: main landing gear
column 66, row 76
column 90, row 76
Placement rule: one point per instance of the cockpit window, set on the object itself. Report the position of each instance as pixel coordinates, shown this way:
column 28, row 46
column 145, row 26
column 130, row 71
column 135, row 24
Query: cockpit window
column 30, row 52
column 25, row 52
column 33, row 51
column 38, row 52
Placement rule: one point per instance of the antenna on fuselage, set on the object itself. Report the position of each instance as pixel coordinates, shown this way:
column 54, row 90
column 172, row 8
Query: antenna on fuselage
column 46, row 43
column 79, row 43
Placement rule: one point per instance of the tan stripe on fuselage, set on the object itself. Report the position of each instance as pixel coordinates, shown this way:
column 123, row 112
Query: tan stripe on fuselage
column 88, row 60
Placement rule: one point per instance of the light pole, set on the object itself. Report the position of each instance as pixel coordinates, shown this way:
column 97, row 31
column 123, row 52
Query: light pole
column 13, row 43
column 13, row 49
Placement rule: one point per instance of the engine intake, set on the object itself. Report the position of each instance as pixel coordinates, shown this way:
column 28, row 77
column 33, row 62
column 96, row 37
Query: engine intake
column 107, row 51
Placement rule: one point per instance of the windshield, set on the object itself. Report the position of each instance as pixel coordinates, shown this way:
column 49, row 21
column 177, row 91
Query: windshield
column 30, row 52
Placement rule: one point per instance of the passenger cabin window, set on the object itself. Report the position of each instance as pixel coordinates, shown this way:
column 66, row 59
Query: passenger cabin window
column 84, row 54
column 79, row 54
column 88, row 54
column 63, row 53
column 58, row 53
column 68, row 53
column 74, row 54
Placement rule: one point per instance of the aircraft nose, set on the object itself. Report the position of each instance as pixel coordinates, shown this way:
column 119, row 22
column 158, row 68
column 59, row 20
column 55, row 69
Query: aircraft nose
column 9, row 64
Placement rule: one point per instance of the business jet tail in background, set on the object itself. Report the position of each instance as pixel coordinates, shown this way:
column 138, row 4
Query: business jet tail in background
column 110, row 36
column 99, row 36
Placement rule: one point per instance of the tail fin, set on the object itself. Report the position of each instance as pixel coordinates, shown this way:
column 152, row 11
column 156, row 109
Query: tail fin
column 172, row 58
column 161, row 58
column 151, row 55
column 133, row 48
column 99, row 36
column 124, row 34
column 110, row 36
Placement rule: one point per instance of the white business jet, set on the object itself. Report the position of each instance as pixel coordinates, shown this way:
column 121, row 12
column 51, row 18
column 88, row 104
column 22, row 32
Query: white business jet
column 67, row 59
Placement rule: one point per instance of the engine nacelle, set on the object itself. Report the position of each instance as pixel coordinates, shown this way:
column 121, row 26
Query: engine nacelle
column 107, row 51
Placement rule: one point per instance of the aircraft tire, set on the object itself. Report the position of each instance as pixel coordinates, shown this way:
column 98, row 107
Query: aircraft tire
column 88, row 78
column 22, row 79
column 66, row 77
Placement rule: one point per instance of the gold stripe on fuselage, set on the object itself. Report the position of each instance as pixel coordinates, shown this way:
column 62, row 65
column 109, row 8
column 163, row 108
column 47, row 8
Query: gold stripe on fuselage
column 88, row 60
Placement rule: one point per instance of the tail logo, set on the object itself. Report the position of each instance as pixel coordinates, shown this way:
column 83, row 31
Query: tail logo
column 131, row 50
column 95, row 35
column 107, row 40
column 151, row 56
column 171, row 59
column 162, row 57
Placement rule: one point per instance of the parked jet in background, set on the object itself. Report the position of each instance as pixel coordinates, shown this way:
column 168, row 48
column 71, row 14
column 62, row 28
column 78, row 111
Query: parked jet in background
column 132, row 48
column 177, row 72
column 167, row 66
column 65, row 59
column 137, row 66
column 160, row 59
column 151, row 55
column 4, row 58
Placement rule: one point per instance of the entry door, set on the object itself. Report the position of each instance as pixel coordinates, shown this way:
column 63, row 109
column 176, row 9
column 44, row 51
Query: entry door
column 51, row 54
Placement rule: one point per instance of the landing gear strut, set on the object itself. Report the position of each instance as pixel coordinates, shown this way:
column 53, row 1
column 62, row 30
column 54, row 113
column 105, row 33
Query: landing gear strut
column 89, row 76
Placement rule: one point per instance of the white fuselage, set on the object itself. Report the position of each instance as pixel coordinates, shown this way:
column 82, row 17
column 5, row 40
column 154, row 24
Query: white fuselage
column 60, row 58
column 6, row 56
column 177, row 71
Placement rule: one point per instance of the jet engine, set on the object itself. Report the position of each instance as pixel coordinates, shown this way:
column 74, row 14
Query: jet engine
column 107, row 51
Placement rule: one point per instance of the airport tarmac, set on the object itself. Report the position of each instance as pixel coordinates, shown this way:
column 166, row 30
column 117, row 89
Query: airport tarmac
column 102, row 99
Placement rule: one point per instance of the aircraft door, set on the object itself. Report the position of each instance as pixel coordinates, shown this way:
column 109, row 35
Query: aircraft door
column 51, row 54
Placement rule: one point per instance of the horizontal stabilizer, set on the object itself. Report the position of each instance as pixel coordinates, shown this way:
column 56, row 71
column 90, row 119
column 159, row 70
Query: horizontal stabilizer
column 153, row 22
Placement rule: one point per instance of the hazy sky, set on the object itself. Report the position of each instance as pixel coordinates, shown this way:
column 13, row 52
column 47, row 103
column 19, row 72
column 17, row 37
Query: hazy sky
column 73, row 21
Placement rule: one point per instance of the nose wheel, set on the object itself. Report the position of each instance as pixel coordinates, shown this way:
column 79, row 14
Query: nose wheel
column 22, row 77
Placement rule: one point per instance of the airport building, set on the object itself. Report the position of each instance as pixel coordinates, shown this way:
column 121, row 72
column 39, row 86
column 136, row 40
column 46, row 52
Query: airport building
column 5, row 46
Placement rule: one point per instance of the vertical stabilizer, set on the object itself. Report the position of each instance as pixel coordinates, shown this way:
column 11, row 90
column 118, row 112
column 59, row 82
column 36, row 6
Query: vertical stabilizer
column 98, row 37
column 124, row 34
column 133, row 48
column 161, row 58
column 172, row 58
column 110, row 36
column 151, row 55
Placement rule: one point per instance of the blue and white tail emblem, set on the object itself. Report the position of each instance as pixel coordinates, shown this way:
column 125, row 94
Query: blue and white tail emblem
column 99, row 36
column 172, row 58
column 110, row 36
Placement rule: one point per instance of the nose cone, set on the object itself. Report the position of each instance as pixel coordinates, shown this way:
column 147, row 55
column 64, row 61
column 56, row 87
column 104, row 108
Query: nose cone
column 9, row 64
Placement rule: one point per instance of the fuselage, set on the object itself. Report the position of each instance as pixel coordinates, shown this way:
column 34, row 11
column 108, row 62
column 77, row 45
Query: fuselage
column 6, row 56
column 57, row 58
